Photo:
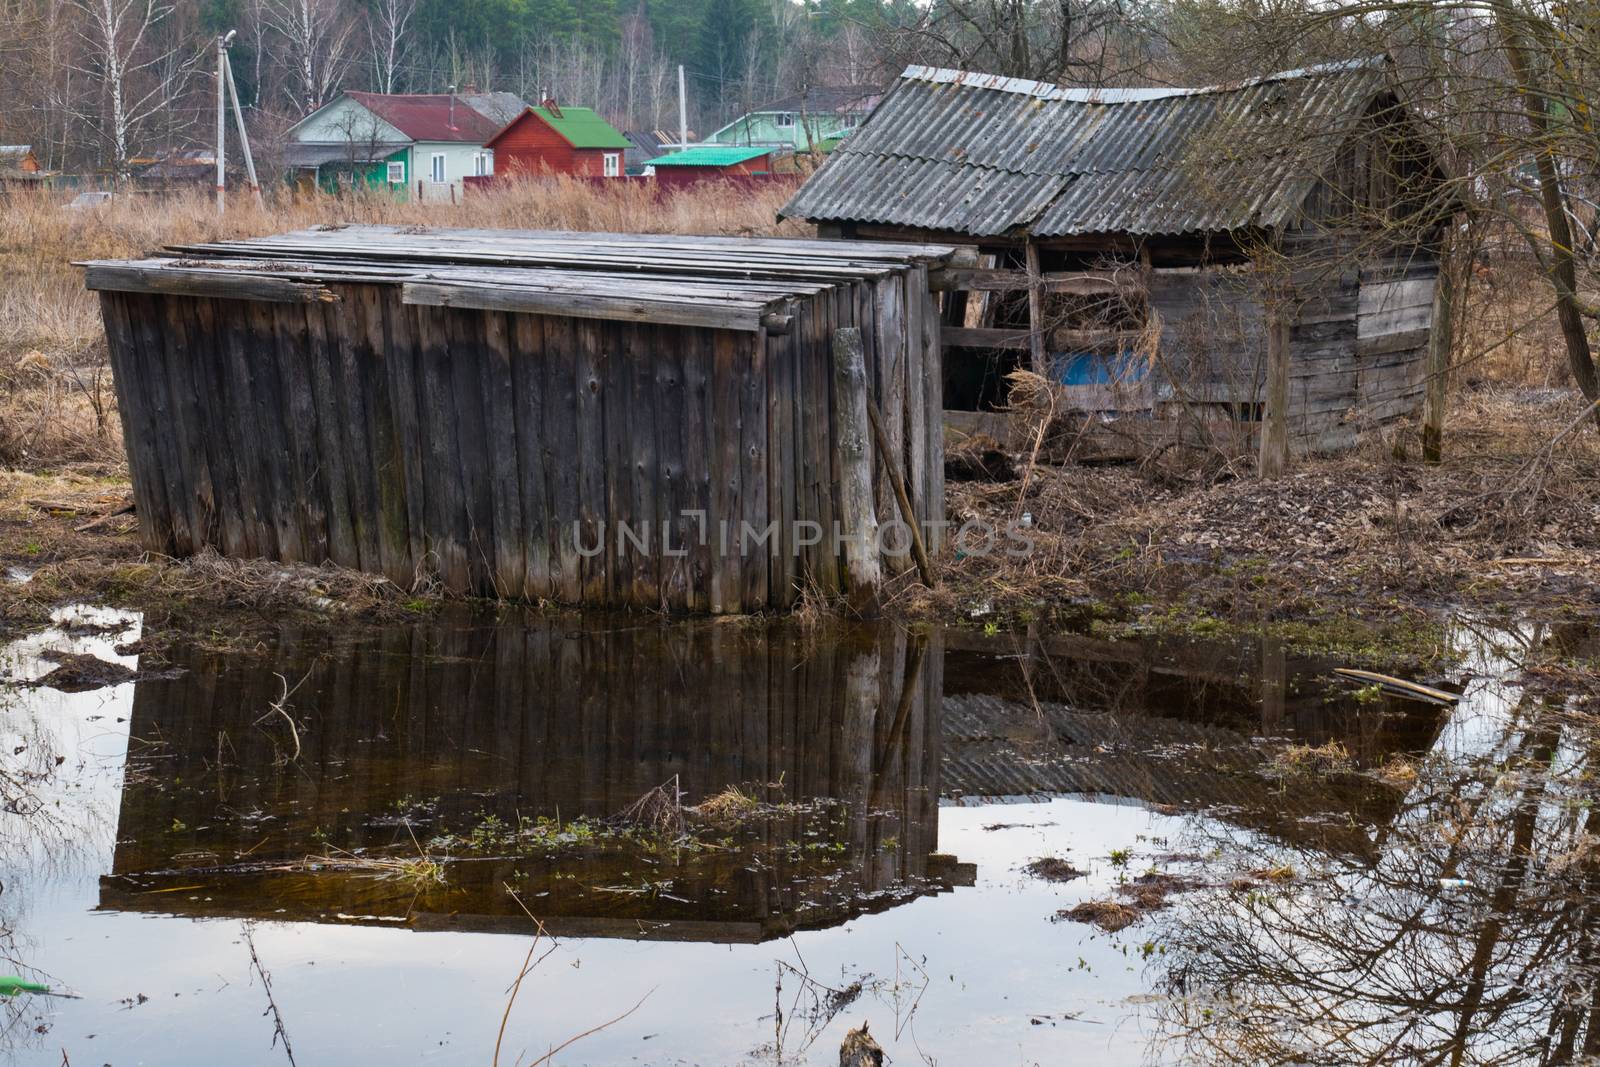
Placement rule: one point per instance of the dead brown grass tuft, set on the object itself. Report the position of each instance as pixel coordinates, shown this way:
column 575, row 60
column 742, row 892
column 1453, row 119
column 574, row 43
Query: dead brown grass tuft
column 1108, row 915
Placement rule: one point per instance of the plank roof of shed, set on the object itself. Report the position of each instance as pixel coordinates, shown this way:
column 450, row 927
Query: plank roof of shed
column 725, row 282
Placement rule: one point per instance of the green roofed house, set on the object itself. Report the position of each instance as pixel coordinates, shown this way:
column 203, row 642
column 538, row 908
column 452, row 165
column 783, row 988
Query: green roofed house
column 704, row 162
column 551, row 139
column 802, row 122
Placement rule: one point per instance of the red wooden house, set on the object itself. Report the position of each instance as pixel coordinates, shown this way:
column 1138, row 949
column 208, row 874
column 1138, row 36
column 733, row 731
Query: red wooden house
column 550, row 139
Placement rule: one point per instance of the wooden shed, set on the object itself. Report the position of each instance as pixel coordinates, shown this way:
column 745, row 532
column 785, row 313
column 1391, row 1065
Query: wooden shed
column 604, row 419
column 1256, row 259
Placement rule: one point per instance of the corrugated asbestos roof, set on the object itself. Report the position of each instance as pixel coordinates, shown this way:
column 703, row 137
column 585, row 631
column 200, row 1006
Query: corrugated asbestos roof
column 983, row 155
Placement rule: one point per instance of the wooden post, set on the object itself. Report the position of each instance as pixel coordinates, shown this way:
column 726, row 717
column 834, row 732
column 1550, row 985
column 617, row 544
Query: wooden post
column 857, row 519
column 1275, row 407
column 1035, row 308
column 891, row 465
column 1440, row 334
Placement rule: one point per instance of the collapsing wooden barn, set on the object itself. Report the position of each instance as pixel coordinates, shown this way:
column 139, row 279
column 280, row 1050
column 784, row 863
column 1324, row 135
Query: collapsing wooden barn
column 1152, row 250
column 604, row 419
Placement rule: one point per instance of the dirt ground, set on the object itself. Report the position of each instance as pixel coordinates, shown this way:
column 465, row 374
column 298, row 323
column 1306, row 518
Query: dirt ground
column 1507, row 522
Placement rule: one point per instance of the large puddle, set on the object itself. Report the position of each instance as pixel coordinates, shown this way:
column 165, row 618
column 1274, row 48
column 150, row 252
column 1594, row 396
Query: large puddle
column 735, row 843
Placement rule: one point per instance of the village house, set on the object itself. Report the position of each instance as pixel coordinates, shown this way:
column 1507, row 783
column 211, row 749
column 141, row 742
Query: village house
column 420, row 145
column 551, row 139
column 709, row 162
column 1257, row 261
column 19, row 164
column 801, row 122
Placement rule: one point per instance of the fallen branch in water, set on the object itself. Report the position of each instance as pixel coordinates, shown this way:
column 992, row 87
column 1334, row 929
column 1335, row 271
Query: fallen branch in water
column 278, row 1030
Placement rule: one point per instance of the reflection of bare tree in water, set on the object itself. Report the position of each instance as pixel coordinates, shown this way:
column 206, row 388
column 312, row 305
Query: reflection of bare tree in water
column 1472, row 938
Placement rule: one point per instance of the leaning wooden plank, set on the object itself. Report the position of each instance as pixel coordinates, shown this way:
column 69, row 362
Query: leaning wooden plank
column 589, row 455
column 698, row 456
column 561, row 429
column 322, row 359
column 208, row 371
column 230, row 285
column 534, row 450
column 185, row 420
column 385, row 417
column 672, row 497
column 266, row 393
column 852, row 458
column 466, row 358
column 505, row 492
column 138, row 435
column 300, row 427
column 639, row 362
column 444, row 502
column 571, row 305
column 726, row 380
column 754, row 557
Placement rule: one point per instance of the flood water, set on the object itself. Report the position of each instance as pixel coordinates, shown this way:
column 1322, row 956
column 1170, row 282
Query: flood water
column 745, row 840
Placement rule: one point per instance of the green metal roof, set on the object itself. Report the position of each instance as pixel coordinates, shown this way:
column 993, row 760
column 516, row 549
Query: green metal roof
column 710, row 155
column 583, row 127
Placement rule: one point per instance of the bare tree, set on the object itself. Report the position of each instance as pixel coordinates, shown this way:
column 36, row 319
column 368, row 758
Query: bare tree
column 119, row 40
column 387, row 22
column 318, row 35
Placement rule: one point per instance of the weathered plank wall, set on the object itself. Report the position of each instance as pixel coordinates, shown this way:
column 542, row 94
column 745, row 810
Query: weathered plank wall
column 1357, row 343
column 503, row 452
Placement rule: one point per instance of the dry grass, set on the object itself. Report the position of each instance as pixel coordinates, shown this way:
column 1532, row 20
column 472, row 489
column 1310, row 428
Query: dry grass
column 1505, row 519
column 56, row 400
column 730, row 805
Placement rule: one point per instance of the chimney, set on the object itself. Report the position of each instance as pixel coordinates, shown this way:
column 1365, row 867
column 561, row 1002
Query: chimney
column 452, row 107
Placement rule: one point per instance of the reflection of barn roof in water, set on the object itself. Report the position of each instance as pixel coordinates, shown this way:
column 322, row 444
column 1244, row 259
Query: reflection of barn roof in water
column 995, row 748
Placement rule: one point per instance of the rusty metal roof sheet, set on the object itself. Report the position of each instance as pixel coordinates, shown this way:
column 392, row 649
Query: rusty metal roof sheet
column 983, row 155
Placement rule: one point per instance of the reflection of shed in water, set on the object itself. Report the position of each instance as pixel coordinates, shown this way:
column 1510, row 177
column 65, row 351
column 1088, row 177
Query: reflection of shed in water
column 449, row 727
column 1180, row 724
column 597, row 419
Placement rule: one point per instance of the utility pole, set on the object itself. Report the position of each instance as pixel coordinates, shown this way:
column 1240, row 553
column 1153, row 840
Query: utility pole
column 244, row 138
column 683, row 112
column 222, row 126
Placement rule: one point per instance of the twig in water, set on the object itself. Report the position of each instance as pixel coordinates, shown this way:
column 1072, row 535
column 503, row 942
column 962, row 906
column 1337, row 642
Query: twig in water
column 528, row 964
column 280, row 707
column 272, row 1004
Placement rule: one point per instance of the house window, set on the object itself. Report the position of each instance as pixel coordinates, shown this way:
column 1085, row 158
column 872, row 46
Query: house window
column 438, row 167
column 397, row 174
column 480, row 164
column 785, row 120
column 613, row 163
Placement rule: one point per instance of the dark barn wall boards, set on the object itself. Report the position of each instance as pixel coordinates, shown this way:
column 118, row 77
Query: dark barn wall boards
column 596, row 419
